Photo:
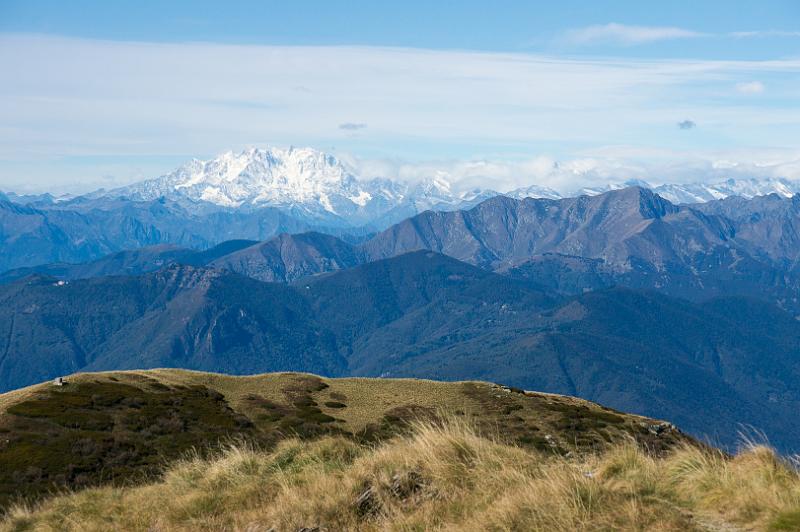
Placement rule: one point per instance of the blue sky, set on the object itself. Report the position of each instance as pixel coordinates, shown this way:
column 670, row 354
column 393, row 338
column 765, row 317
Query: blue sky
column 104, row 93
column 468, row 24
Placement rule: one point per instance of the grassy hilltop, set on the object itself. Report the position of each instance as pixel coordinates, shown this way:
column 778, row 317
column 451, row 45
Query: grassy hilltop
column 178, row 450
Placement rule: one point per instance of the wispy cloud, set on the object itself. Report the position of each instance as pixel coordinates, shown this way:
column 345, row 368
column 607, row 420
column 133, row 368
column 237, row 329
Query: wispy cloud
column 763, row 33
column 352, row 126
column 609, row 165
column 627, row 35
column 750, row 87
column 74, row 110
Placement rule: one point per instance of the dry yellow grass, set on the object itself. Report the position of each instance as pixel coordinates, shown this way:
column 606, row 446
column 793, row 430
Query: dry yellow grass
column 440, row 477
column 368, row 400
column 118, row 428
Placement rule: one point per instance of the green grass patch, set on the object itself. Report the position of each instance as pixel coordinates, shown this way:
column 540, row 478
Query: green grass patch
column 102, row 432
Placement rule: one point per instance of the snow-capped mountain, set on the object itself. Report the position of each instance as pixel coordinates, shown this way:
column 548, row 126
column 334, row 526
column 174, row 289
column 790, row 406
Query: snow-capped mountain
column 317, row 187
column 301, row 180
column 746, row 188
column 533, row 191
column 278, row 177
column 679, row 193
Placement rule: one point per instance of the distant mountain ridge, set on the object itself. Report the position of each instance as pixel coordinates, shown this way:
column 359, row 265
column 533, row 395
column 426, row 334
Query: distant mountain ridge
column 305, row 180
column 84, row 229
column 260, row 193
column 694, row 193
column 302, row 181
column 742, row 188
column 311, row 180
column 313, row 185
column 630, row 237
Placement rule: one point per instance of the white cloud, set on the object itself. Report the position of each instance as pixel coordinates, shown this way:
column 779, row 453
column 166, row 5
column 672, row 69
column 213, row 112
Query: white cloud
column 627, row 35
column 763, row 33
column 623, row 34
column 75, row 110
column 597, row 167
column 352, row 126
column 750, row 87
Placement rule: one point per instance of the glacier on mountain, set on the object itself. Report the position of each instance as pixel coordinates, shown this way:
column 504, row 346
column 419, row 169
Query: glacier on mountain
column 312, row 184
column 302, row 180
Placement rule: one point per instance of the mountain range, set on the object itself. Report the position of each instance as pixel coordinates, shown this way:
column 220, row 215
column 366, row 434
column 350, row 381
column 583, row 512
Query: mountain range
column 630, row 237
column 258, row 194
column 685, row 312
column 315, row 184
column 304, row 183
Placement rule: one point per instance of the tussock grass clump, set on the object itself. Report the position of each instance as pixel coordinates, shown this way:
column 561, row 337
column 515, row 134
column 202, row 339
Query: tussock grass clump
column 445, row 476
column 755, row 486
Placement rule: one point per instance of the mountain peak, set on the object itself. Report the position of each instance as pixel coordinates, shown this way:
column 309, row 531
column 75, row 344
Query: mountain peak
column 648, row 203
column 314, row 186
column 258, row 176
column 652, row 205
column 304, row 181
column 744, row 187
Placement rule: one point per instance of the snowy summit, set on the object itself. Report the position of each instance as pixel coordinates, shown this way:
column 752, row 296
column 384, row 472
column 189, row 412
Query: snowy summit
column 312, row 184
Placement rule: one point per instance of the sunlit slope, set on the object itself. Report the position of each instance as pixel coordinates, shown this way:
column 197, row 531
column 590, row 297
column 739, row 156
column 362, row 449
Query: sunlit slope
column 122, row 427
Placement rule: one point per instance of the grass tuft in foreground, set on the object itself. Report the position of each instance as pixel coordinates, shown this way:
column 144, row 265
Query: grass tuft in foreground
column 440, row 476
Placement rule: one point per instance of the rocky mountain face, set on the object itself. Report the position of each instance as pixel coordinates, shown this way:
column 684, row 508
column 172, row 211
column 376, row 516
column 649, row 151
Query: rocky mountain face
column 276, row 177
column 303, row 182
column 290, row 257
column 729, row 188
column 767, row 226
column 260, row 193
column 256, row 194
column 502, row 232
column 683, row 193
column 304, row 179
column 629, row 237
column 706, row 366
